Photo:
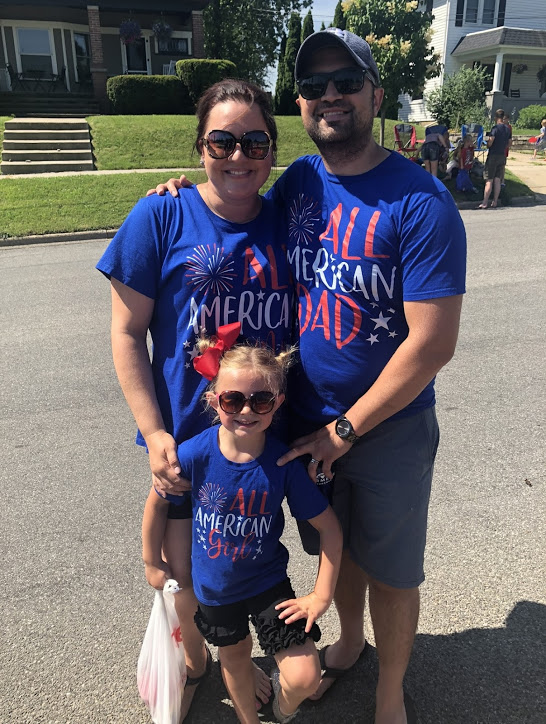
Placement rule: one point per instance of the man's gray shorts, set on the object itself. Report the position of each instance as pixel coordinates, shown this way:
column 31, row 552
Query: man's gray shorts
column 381, row 494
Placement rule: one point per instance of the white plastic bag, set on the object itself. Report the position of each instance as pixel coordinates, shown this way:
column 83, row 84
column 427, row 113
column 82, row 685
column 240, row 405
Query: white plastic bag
column 161, row 669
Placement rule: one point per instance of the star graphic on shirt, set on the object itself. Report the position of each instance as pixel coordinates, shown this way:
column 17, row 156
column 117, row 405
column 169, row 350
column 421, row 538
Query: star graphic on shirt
column 381, row 321
column 201, row 539
column 259, row 551
column 260, row 295
column 393, row 334
column 187, row 365
column 239, row 518
column 187, row 344
column 391, row 310
column 372, row 339
column 374, row 305
column 194, row 352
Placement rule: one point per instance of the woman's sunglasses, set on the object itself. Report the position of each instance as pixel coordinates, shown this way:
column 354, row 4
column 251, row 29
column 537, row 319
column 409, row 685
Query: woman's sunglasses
column 233, row 402
column 254, row 144
column 346, row 81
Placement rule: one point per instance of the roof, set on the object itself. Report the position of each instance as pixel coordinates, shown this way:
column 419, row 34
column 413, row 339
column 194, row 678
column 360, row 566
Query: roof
column 500, row 36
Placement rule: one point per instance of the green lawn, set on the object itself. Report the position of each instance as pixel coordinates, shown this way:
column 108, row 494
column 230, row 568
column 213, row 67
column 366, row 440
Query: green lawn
column 514, row 187
column 78, row 203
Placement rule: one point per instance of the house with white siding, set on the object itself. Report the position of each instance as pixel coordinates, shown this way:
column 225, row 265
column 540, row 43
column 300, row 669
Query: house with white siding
column 507, row 37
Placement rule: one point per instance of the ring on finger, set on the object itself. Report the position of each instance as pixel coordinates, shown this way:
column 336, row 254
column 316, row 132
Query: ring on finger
column 316, row 462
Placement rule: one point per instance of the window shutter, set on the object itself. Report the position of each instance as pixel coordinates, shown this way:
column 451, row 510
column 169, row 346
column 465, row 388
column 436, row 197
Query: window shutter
column 459, row 13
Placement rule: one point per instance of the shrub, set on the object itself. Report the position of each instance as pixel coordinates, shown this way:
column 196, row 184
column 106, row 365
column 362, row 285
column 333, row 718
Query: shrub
column 199, row 74
column 531, row 116
column 461, row 98
column 148, row 94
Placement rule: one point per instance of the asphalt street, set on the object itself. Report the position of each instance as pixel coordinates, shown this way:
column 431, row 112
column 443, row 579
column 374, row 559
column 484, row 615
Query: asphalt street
column 74, row 602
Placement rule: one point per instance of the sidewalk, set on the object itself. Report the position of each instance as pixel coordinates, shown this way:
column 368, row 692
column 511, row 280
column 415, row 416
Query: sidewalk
column 532, row 173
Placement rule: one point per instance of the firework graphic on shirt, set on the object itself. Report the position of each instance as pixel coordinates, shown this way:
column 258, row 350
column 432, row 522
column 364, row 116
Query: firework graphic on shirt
column 209, row 270
column 303, row 214
column 212, row 497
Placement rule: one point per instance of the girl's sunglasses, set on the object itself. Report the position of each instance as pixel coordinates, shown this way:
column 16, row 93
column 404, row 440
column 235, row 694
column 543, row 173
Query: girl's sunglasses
column 346, row 81
column 233, row 402
column 254, row 144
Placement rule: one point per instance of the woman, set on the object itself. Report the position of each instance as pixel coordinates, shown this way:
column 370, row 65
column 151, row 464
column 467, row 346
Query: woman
column 210, row 257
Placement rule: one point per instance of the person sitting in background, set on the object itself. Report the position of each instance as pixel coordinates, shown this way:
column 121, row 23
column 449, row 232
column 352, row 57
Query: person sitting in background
column 435, row 145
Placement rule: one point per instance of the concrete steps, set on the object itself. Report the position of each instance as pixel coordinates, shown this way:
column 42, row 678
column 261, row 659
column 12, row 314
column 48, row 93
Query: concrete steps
column 43, row 145
column 48, row 105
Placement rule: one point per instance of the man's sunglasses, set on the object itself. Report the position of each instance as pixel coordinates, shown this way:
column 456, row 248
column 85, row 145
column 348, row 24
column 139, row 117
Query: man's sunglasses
column 346, row 81
column 254, row 144
column 233, row 402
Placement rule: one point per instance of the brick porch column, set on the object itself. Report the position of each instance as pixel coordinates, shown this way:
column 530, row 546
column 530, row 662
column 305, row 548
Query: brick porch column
column 198, row 44
column 98, row 71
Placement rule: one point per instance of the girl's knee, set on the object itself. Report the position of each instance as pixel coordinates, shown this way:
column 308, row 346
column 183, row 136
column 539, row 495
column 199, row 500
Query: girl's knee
column 300, row 669
column 232, row 656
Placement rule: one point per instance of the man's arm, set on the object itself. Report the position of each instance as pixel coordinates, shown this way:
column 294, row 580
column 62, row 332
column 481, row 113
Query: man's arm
column 430, row 344
column 131, row 315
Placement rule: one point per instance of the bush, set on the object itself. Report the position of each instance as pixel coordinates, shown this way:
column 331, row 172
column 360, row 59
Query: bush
column 461, row 98
column 148, row 94
column 531, row 116
column 198, row 75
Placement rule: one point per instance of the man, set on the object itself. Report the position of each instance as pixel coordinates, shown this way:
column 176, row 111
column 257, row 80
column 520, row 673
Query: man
column 377, row 249
column 498, row 143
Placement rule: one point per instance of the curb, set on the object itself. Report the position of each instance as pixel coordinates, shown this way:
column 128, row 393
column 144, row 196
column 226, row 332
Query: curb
column 106, row 234
column 95, row 235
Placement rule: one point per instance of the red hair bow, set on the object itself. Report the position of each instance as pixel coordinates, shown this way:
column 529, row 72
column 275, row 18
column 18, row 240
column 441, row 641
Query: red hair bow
column 208, row 363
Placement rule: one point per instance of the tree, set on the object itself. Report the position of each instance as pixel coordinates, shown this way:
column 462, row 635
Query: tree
column 339, row 17
column 399, row 36
column 461, row 98
column 285, row 99
column 248, row 32
column 308, row 27
column 281, row 81
column 322, row 26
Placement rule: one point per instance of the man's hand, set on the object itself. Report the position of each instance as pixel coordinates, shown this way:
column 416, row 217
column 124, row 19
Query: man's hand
column 164, row 464
column 324, row 446
column 172, row 186
column 310, row 607
column 157, row 575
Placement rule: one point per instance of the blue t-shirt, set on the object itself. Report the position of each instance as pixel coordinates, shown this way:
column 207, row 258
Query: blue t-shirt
column 202, row 271
column 501, row 135
column 238, row 517
column 359, row 247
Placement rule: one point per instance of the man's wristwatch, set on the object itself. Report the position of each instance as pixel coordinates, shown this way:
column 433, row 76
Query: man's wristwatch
column 345, row 430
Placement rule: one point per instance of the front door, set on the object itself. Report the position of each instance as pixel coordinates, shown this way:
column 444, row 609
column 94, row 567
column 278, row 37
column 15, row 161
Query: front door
column 136, row 56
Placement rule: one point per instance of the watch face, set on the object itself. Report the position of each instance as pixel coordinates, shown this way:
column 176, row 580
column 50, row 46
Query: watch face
column 343, row 428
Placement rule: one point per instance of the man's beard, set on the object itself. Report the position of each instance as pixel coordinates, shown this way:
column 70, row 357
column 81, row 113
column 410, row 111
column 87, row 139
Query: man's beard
column 343, row 144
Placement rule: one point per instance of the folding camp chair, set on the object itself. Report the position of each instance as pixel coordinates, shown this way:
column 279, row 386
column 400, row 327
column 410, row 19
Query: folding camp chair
column 405, row 140
column 476, row 130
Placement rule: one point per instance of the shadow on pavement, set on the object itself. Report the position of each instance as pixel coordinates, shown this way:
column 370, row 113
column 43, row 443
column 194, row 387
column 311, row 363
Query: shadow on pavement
column 478, row 676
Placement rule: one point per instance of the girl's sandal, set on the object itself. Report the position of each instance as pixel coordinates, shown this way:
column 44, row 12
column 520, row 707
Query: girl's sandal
column 196, row 680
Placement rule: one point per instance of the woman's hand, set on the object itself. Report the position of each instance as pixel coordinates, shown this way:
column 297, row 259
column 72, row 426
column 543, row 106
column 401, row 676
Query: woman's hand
column 172, row 186
column 164, row 464
column 157, row 575
column 310, row 607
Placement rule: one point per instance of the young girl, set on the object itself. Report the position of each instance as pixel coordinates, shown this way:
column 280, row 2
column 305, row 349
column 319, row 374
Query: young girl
column 540, row 144
column 466, row 153
column 238, row 562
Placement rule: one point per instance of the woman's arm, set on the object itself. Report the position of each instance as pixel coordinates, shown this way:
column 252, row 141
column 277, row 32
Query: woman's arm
column 131, row 315
column 316, row 603
column 154, row 522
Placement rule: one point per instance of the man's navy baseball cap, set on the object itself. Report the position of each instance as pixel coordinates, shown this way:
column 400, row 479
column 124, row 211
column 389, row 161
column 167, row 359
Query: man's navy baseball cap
column 357, row 48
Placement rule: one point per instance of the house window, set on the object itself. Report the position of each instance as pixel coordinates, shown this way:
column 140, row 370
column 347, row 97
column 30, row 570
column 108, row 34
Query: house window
column 83, row 57
column 488, row 16
column 34, row 50
column 471, row 15
column 173, row 46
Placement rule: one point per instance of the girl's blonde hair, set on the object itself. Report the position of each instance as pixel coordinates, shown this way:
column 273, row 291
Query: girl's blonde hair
column 259, row 358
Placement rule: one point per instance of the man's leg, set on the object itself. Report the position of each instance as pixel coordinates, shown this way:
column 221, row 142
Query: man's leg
column 350, row 599
column 486, row 193
column 394, row 613
column 496, row 190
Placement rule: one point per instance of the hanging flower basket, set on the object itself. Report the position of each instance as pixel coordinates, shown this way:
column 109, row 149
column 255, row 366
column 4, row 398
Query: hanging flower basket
column 162, row 30
column 129, row 32
column 520, row 68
